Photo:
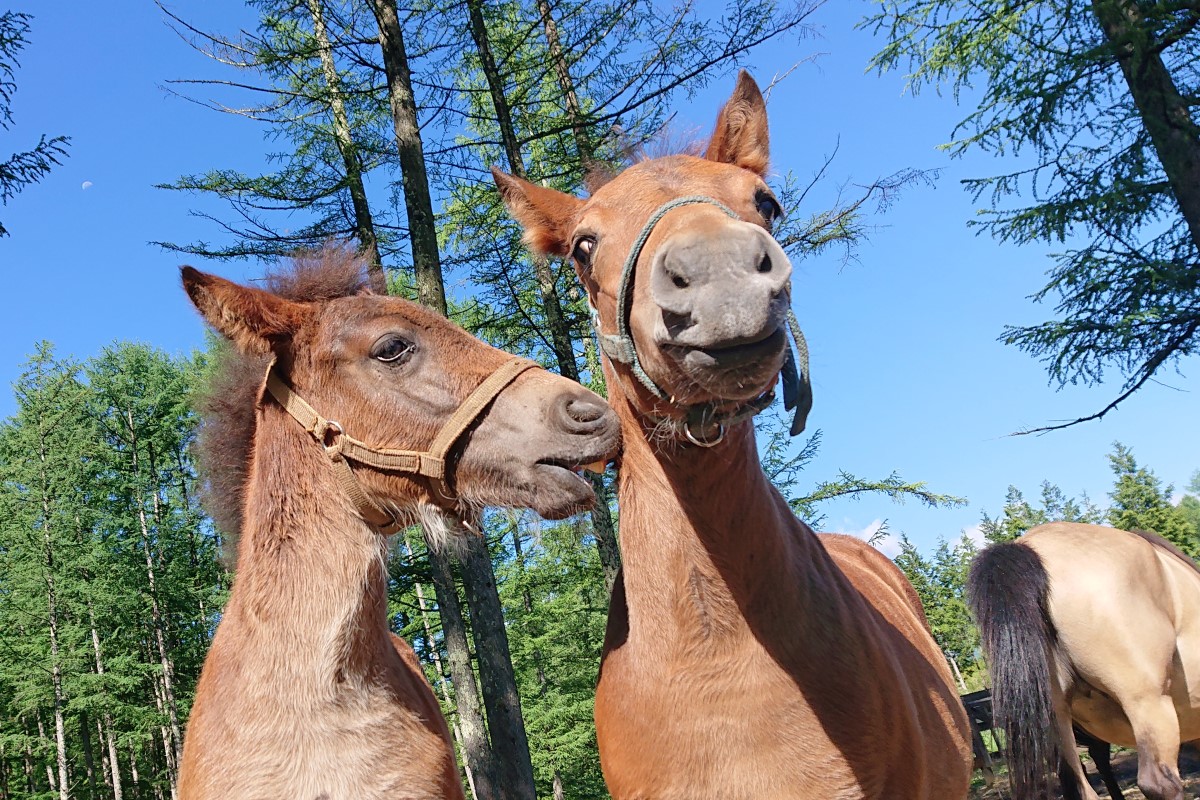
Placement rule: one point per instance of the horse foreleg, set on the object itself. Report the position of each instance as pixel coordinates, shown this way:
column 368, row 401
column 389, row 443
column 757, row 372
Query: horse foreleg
column 1156, row 732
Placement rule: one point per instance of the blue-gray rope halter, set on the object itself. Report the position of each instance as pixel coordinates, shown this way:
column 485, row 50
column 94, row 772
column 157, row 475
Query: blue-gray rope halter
column 797, row 387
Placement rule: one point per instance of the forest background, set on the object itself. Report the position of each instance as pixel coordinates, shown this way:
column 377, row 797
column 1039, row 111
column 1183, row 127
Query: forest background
column 112, row 581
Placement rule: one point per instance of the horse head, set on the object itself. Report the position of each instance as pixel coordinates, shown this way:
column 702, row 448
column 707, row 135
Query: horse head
column 427, row 415
column 689, row 289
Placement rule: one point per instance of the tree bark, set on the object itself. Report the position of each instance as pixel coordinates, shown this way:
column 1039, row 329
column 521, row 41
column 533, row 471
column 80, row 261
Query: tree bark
column 1164, row 112
column 108, row 737
column 89, row 762
column 364, row 224
column 466, row 694
column 422, row 231
column 491, row 640
column 173, row 748
column 496, row 676
column 60, row 732
column 561, row 338
column 478, row 742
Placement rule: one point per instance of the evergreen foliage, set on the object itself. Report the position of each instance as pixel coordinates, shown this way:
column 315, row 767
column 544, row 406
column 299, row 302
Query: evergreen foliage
column 110, row 584
column 27, row 167
column 1094, row 103
column 1141, row 502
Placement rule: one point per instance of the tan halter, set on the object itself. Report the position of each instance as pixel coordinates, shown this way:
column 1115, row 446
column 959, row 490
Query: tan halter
column 343, row 448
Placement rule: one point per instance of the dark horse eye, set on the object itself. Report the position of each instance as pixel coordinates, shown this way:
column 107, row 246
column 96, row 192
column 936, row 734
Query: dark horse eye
column 392, row 349
column 768, row 207
column 582, row 253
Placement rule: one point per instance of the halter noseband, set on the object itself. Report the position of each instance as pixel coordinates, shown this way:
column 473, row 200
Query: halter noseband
column 341, row 448
column 797, row 387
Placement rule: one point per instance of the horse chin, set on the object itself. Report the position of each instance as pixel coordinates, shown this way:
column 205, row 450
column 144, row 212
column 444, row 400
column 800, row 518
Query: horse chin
column 733, row 374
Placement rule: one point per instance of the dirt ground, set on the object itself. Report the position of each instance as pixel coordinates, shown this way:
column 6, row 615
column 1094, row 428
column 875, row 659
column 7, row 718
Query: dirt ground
column 1124, row 766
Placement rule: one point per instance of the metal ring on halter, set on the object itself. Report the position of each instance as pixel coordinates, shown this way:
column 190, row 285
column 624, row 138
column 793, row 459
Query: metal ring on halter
column 334, row 427
column 687, row 431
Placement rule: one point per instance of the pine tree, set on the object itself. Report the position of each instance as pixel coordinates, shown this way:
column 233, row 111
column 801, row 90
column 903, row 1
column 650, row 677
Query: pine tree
column 1141, row 502
column 1097, row 96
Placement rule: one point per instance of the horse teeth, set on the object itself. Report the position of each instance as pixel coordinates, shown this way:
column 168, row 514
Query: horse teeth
column 596, row 466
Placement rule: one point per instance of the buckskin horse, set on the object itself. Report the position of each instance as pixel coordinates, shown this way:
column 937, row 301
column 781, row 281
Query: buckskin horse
column 1097, row 626
column 305, row 693
column 745, row 656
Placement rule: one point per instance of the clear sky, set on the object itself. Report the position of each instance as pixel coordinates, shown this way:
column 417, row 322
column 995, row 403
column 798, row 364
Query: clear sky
column 908, row 375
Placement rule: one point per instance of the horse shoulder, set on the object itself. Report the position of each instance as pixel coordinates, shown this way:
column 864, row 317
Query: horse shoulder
column 873, row 574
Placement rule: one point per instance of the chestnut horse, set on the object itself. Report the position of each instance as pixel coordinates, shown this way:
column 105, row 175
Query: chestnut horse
column 305, row 693
column 746, row 657
column 1096, row 626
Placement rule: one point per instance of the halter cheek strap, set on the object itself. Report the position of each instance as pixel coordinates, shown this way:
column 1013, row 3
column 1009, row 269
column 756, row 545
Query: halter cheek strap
column 341, row 448
column 620, row 348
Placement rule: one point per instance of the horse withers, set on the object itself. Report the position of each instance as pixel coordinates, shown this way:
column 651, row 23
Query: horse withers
column 1096, row 626
column 339, row 418
column 745, row 657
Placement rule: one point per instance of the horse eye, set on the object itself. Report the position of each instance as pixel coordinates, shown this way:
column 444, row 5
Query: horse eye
column 583, row 250
column 392, row 349
column 768, row 208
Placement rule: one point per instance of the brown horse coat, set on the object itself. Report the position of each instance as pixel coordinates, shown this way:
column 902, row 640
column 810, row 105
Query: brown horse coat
column 305, row 694
column 746, row 657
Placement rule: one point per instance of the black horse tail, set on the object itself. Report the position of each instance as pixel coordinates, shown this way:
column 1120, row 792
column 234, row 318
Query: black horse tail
column 1007, row 590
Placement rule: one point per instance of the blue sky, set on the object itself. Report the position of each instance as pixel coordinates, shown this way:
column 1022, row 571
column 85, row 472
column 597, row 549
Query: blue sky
column 908, row 375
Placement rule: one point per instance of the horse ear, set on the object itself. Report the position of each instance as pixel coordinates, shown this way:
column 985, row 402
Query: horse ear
column 548, row 216
column 740, row 137
column 254, row 320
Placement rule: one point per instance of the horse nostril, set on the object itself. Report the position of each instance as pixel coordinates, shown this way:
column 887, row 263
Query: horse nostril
column 764, row 266
column 583, row 409
column 679, row 281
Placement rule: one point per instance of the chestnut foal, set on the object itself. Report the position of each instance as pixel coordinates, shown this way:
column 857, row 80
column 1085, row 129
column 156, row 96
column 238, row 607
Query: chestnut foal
column 746, row 657
column 305, row 693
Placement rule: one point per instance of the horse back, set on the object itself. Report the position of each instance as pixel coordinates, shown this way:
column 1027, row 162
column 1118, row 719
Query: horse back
column 1126, row 612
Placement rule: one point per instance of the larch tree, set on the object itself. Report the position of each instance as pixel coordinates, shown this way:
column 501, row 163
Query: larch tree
column 1093, row 102
column 27, row 167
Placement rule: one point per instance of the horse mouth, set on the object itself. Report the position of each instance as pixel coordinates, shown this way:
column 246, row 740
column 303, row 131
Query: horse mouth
column 561, row 486
column 737, row 371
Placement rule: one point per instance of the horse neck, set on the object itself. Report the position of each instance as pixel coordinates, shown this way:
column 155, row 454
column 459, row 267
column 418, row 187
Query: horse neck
column 704, row 532
column 311, row 583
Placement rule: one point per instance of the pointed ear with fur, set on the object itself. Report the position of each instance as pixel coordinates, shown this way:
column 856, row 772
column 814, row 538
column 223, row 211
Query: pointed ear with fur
column 740, row 137
column 548, row 216
column 254, row 320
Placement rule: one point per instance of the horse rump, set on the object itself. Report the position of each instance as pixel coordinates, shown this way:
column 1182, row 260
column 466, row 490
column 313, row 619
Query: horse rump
column 1007, row 590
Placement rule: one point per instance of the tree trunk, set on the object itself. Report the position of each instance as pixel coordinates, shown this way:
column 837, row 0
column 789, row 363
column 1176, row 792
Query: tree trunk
column 422, row 231
column 562, row 72
column 108, row 737
column 174, row 748
column 50, row 775
column 466, row 695
column 500, row 697
column 479, row 731
column 491, row 640
column 364, row 224
column 60, row 731
column 89, row 763
column 1164, row 112
column 560, row 331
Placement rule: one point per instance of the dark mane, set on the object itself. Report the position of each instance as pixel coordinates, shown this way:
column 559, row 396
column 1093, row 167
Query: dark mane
column 227, row 401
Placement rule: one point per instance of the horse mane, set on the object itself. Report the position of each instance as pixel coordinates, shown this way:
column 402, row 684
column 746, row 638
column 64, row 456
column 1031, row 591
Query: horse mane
column 228, row 398
column 1166, row 544
column 666, row 142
